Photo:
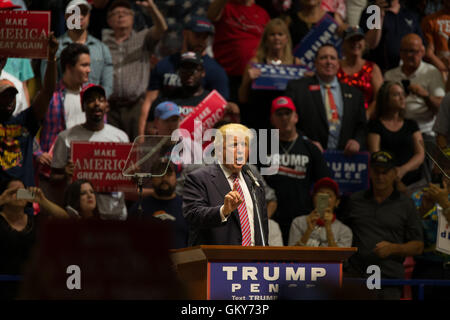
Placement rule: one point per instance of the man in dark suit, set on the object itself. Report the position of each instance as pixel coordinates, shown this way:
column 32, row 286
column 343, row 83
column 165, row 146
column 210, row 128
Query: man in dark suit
column 217, row 199
column 330, row 113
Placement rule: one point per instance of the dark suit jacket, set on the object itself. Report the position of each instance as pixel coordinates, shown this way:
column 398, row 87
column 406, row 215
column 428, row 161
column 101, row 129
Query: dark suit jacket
column 203, row 195
column 312, row 118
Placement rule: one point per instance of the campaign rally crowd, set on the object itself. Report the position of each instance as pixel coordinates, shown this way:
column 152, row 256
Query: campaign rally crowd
column 121, row 69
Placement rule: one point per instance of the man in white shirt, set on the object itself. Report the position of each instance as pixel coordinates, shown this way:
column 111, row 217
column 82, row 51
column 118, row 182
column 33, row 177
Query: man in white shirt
column 423, row 84
column 217, row 199
column 93, row 98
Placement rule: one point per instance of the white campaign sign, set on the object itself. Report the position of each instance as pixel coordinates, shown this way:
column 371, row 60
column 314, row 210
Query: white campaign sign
column 443, row 236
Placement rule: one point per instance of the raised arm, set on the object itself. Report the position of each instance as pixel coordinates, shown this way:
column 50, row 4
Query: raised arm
column 215, row 10
column 42, row 100
column 48, row 207
column 159, row 23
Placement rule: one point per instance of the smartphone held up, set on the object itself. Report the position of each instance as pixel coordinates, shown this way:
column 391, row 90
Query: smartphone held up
column 322, row 203
column 24, row 194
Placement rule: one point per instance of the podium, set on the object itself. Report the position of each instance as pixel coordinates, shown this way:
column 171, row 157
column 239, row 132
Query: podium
column 257, row 273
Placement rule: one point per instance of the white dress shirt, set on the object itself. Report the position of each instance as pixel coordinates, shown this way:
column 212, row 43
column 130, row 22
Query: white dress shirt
column 247, row 197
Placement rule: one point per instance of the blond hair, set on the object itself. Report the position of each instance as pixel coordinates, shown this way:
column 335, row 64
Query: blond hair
column 231, row 130
column 261, row 52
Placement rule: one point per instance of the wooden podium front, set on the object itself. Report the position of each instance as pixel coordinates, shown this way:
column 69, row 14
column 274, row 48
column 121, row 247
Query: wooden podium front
column 236, row 272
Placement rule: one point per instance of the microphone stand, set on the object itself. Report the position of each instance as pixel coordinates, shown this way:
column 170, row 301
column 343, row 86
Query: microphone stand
column 140, row 182
column 257, row 212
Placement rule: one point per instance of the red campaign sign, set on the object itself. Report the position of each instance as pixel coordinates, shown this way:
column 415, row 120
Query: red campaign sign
column 209, row 111
column 101, row 163
column 23, row 34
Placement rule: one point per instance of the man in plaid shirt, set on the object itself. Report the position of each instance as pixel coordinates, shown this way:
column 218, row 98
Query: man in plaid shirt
column 64, row 111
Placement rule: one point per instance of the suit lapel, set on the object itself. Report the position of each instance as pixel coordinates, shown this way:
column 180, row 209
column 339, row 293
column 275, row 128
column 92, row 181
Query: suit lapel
column 219, row 180
column 318, row 101
column 346, row 98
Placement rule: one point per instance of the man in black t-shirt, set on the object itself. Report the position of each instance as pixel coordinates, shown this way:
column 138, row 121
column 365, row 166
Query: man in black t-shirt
column 164, row 204
column 301, row 164
column 191, row 92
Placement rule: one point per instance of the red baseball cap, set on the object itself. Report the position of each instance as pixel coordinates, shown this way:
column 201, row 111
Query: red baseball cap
column 89, row 87
column 7, row 4
column 326, row 183
column 282, row 102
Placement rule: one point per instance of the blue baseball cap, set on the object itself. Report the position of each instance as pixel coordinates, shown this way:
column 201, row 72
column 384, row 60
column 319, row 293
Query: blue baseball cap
column 167, row 109
column 200, row 24
column 354, row 31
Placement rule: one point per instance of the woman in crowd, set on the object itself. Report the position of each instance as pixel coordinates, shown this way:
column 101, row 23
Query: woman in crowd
column 18, row 229
column 80, row 200
column 358, row 72
column 390, row 131
column 274, row 48
column 314, row 230
column 304, row 15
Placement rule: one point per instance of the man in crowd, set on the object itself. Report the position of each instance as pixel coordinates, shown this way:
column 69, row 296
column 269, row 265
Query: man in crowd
column 385, row 225
column 300, row 163
column 331, row 114
column 217, row 201
column 191, row 92
column 384, row 41
column 101, row 66
column 164, row 204
column 65, row 109
column 165, row 77
column 191, row 71
column 423, row 84
column 94, row 104
column 18, row 132
column 21, row 99
column 131, row 53
column 239, row 25
column 436, row 34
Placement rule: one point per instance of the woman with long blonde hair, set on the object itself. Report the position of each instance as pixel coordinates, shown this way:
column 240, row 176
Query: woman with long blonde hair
column 275, row 48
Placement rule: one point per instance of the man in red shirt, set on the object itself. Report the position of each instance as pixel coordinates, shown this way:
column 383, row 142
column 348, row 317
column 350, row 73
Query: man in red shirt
column 239, row 27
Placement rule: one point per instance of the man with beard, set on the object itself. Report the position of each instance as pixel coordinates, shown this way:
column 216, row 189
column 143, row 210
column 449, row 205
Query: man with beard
column 164, row 204
column 93, row 101
column 165, row 79
column 191, row 92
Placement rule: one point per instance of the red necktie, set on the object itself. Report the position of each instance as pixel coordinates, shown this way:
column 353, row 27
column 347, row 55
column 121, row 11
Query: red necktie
column 243, row 215
column 330, row 105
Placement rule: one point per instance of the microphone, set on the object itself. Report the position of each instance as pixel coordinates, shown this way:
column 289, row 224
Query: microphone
column 251, row 175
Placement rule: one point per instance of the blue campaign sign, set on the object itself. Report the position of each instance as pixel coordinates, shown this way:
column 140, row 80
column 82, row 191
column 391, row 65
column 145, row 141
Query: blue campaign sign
column 350, row 172
column 267, row 281
column 276, row 77
column 324, row 32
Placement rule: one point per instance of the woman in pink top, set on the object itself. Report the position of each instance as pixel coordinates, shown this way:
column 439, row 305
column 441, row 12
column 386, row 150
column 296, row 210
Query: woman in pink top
column 355, row 71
